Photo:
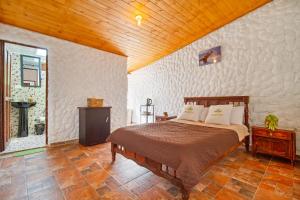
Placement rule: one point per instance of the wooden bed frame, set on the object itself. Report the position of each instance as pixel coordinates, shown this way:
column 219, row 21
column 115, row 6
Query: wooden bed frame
column 166, row 172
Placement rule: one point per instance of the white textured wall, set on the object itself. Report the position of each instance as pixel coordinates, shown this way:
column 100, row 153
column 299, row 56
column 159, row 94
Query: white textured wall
column 75, row 73
column 260, row 58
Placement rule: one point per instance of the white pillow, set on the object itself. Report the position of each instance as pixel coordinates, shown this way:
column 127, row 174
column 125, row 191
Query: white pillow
column 237, row 115
column 204, row 114
column 191, row 112
column 219, row 114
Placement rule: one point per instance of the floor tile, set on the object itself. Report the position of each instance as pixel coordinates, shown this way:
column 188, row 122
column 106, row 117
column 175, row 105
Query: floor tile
column 226, row 194
column 51, row 193
column 80, row 192
column 77, row 172
column 97, row 178
column 66, row 177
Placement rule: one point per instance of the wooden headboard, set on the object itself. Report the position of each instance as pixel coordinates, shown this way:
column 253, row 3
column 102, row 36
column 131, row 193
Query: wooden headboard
column 235, row 100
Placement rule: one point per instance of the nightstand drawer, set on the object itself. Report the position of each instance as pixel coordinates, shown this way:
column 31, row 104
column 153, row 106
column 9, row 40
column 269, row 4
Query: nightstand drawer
column 275, row 134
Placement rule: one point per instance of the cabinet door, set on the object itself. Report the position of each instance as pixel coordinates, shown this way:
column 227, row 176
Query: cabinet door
column 98, row 125
column 263, row 145
column 281, row 148
column 105, row 125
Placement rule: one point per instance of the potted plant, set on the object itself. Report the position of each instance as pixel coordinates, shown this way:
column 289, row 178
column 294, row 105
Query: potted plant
column 271, row 122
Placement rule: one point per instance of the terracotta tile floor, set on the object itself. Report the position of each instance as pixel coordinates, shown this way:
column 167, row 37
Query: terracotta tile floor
column 76, row 172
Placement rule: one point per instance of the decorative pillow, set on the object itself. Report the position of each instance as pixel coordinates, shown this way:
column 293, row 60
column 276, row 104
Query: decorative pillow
column 219, row 114
column 204, row 114
column 237, row 115
column 191, row 112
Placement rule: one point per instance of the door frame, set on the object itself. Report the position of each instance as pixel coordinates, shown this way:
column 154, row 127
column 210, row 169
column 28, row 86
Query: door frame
column 2, row 63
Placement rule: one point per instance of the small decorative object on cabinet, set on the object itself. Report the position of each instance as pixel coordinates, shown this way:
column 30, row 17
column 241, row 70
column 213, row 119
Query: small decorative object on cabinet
column 271, row 122
column 166, row 114
column 94, row 102
column 94, row 125
column 159, row 118
column 280, row 142
column 146, row 111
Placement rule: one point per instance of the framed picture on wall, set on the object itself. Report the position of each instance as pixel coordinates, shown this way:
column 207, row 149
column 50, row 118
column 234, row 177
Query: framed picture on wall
column 210, row 56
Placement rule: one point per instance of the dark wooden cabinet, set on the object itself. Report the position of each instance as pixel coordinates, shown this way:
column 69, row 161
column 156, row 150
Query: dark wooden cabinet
column 94, row 125
column 278, row 143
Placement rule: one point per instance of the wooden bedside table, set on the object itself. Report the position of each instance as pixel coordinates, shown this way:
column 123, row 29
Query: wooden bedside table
column 163, row 118
column 280, row 142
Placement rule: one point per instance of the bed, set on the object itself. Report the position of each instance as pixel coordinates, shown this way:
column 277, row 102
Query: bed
column 179, row 150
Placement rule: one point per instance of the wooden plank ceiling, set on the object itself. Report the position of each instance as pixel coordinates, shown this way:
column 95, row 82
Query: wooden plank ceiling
column 110, row 25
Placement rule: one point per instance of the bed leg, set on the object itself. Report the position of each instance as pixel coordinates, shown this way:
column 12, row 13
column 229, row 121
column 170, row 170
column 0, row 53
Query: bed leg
column 247, row 143
column 113, row 152
column 185, row 194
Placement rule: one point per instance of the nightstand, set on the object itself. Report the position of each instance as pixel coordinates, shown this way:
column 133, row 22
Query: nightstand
column 280, row 142
column 163, row 118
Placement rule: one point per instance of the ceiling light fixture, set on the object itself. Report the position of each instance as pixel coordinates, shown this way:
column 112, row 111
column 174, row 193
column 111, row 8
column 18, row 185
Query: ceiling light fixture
column 138, row 19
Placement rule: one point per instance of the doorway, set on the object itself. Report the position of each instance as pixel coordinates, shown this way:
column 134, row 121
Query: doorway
column 24, row 73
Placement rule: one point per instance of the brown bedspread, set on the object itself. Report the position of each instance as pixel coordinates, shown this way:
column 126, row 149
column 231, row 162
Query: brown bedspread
column 187, row 148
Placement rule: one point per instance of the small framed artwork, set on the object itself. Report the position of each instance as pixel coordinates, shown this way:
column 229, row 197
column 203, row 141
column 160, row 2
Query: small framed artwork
column 210, row 56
